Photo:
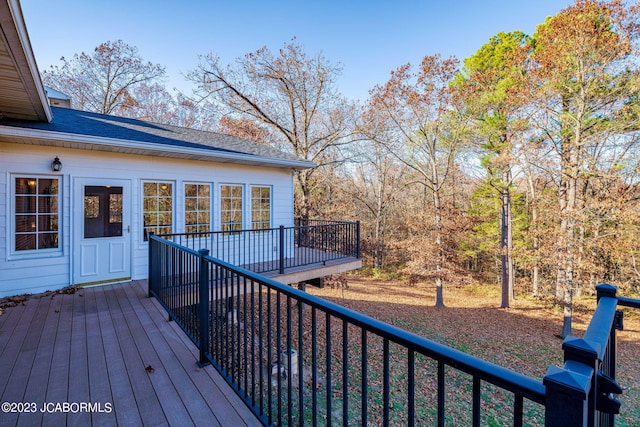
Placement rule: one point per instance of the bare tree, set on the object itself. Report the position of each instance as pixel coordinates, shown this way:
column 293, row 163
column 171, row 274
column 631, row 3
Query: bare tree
column 425, row 133
column 376, row 181
column 103, row 81
column 291, row 94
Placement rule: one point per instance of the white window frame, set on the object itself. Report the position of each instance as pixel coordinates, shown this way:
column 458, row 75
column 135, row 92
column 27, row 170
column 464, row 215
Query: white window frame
column 11, row 219
column 251, row 212
column 184, row 197
column 142, row 206
column 242, row 209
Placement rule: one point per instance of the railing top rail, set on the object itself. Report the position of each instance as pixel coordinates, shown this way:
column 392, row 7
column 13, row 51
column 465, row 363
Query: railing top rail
column 629, row 302
column 600, row 325
column 159, row 238
column 194, row 234
column 515, row 382
column 330, row 221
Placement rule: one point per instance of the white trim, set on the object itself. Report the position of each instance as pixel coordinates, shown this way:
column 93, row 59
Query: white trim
column 184, row 204
column 243, row 208
column 12, row 253
column 138, row 147
column 270, row 187
column 173, row 183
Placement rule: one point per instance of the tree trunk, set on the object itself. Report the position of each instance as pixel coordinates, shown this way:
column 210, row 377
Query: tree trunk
column 565, row 277
column 536, row 251
column 506, row 240
column 440, row 246
column 305, row 192
column 535, row 280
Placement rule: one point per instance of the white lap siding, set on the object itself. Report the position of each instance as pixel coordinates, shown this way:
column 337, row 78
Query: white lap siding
column 36, row 272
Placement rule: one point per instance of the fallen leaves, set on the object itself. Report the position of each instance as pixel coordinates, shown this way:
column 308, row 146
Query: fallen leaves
column 521, row 338
column 13, row 301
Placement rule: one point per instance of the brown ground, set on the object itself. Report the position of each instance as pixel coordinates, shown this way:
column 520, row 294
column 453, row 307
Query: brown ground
column 522, row 338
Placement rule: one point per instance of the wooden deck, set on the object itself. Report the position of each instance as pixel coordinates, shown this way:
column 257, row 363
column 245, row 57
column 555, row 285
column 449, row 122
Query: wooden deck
column 94, row 347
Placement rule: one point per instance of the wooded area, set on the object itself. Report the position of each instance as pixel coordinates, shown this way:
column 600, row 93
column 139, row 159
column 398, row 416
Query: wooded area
column 519, row 165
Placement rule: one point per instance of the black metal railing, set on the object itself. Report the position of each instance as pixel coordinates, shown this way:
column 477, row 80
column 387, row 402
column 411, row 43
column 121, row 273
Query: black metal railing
column 277, row 249
column 582, row 392
column 296, row 359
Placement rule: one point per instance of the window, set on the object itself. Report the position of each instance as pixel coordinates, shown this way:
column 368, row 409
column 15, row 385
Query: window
column 231, row 207
column 260, row 207
column 158, row 208
column 197, row 208
column 36, row 213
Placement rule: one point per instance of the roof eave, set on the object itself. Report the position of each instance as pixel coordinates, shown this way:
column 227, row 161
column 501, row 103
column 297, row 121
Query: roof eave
column 88, row 142
column 17, row 39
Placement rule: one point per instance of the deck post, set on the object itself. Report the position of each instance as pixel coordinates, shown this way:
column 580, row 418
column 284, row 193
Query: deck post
column 150, row 269
column 566, row 403
column 358, row 239
column 281, row 249
column 153, row 266
column 203, row 301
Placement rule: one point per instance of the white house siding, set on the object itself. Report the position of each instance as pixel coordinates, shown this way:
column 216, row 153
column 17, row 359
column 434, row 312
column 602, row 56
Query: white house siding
column 20, row 274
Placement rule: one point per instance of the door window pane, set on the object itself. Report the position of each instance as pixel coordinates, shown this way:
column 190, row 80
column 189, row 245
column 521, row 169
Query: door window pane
column 102, row 211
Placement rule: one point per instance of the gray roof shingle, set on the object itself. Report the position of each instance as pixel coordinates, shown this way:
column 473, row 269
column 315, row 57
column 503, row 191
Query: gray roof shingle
column 76, row 122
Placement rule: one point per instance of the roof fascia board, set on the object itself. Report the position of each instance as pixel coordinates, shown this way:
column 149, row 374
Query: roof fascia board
column 26, row 52
column 109, row 144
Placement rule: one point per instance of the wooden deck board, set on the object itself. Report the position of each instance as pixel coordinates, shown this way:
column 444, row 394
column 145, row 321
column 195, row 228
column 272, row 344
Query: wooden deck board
column 16, row 386
column 37, row 389
column 93, row 346
column 99, row 385
column 121, row 390
column 194, row 403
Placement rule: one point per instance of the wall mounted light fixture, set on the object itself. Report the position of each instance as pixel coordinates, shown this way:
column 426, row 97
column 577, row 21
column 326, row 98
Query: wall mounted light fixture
column 56, row 165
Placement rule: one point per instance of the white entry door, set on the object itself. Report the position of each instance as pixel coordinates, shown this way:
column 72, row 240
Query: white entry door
column 102, row 231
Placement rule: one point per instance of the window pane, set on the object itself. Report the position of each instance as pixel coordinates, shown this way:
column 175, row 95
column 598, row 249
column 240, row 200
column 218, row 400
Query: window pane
column 190, row 190
column 25, row 204
column 164, row 204
column 47, row 204
column 48, row 240
column 25, row 223
column 203, row 218
column 26, row 185
column 25, row 242
column 115, row 208
column 48, row 223
column 203, row 204
column 191, row 218
column 150, row 204
column 164, row 190
column 204, row 190
column 47, row 186
column 91, row 206
column 190, row 204
column 150, row 189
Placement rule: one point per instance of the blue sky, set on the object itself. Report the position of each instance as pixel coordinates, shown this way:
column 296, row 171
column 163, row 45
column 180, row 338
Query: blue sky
column 368, row 38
